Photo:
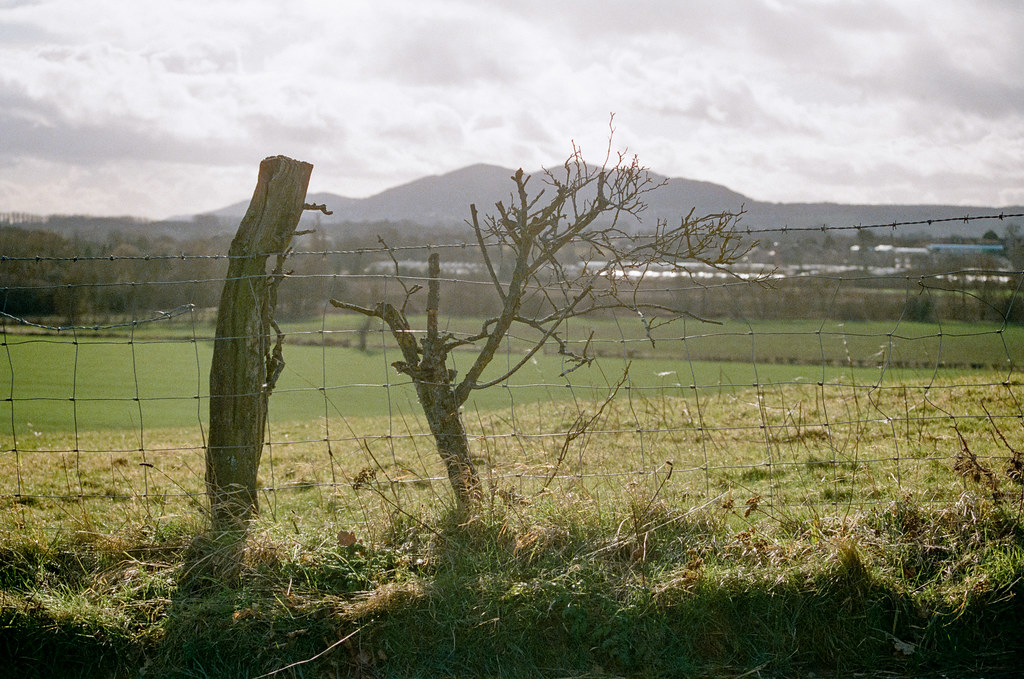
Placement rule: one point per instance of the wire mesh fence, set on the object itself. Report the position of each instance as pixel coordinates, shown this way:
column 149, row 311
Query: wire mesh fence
column 832, row 368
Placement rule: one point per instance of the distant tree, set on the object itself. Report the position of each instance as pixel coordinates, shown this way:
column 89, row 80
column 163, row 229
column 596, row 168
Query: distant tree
column 1015, row 245
column 570, row 250
column 866, row 238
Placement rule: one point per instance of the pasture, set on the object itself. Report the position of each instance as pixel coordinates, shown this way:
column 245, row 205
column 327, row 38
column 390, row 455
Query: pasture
column 158, row 376
column 776, row 498
column 800, row 416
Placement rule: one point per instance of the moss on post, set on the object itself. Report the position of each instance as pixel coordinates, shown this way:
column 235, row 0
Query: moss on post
column 243, row 350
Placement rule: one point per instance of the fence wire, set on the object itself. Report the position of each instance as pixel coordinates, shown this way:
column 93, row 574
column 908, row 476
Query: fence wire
column 860, row 371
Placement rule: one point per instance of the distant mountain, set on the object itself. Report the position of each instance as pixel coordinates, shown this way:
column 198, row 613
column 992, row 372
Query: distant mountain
column 440, row 200
column 444, row 200
column 236, row 211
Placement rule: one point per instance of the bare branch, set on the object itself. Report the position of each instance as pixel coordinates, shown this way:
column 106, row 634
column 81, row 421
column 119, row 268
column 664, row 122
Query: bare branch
column 399, row 327
column 581, row 426
column 314, row 206
column 409, row 290
column 347, row 306
column 433, row 296
column 475, row 223
column 536, row 347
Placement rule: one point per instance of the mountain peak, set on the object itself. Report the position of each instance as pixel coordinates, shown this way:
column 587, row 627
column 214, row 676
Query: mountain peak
column 443, row 201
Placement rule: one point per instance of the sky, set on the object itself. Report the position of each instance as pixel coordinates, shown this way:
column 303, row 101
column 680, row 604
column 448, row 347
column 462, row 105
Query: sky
column 155, row 109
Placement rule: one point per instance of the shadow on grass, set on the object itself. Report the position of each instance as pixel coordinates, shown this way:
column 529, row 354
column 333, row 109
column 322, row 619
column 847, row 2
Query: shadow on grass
column 664, row 593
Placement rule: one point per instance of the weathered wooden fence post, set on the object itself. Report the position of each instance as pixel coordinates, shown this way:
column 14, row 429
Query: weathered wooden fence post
column 245, row 362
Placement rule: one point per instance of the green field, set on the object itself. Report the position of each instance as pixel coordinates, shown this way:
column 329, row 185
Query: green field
column 54, row 383
column 125, row 415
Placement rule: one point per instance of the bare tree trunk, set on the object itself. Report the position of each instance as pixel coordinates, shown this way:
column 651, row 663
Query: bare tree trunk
column 438, row 401
column 425, row 363
column 245, row 365
column 436, row 390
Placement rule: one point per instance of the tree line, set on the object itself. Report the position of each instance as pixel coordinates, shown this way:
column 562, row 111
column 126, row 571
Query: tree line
column 84, row 277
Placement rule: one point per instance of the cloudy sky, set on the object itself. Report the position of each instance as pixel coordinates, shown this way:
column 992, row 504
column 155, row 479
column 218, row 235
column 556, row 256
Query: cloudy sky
column 166, row 108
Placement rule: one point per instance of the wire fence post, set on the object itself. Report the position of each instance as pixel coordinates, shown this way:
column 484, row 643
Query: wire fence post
column 245, row 365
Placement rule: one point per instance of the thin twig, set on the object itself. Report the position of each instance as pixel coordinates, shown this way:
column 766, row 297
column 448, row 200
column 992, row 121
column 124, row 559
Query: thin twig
column 321, row 654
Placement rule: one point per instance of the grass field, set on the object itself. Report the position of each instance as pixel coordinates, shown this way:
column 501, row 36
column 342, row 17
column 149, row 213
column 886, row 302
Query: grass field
column 798, row 529
column 55, row 383
column 803, row 499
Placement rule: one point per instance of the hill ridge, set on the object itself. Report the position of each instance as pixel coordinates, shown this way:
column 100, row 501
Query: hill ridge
column 443, row 201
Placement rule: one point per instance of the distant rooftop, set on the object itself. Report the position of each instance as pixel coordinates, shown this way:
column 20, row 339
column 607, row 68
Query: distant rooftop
column 967, row 248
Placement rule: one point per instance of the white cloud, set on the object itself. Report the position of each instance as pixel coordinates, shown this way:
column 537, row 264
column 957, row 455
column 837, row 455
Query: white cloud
column 810, row 100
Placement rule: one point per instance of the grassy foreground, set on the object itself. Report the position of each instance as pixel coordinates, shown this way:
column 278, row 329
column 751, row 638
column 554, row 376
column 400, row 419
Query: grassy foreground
column 799, row 530
column 556, row 588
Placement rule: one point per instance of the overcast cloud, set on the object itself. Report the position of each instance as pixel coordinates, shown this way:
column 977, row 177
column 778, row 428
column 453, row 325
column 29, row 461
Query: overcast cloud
column 158, row 109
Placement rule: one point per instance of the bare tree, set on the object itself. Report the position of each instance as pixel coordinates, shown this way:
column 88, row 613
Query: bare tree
column 576, row 250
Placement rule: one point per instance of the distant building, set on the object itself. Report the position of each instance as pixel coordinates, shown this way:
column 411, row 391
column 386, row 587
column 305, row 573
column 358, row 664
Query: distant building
column 967, row 249
column 885, row 258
